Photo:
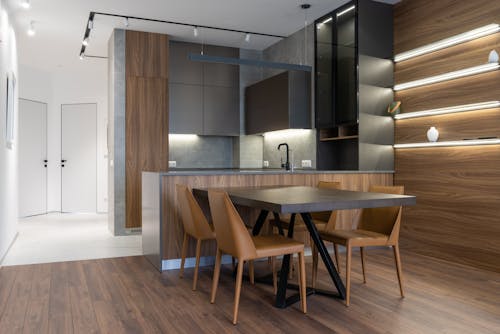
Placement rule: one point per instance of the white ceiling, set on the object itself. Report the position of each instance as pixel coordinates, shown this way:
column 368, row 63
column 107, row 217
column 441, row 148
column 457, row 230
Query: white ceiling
column 60, row 24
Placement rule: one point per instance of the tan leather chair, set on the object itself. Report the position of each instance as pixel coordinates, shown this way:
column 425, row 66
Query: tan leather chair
column 377, row 227
column 325, row 220
column 195, row 226
column 233, row 238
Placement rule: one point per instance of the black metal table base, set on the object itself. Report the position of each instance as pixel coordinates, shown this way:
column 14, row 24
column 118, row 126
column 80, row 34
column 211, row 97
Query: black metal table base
column 281, row 300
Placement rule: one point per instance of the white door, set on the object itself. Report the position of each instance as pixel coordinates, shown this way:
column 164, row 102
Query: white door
column 32, row 158
column 79, row 157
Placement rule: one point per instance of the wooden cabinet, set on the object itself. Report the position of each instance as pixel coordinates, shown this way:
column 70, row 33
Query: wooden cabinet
column 279, row 102
column 204, row 97
column 354, row 76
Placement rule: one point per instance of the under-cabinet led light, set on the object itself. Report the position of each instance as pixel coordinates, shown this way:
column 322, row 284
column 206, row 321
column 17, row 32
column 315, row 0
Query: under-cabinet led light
column 447, row 42
column 449, row 110
column 346, row 10
column 182, row 137
column 327, row 20
column 472, row 142
column 448, row 76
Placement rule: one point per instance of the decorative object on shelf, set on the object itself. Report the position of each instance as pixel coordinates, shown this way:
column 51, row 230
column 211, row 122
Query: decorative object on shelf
column 432, row 134
column 394, row 108
column 493, row 57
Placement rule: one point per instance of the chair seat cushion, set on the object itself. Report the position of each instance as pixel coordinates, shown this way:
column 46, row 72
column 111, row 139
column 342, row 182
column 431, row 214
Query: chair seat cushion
column 274, row 245
column 355, row 237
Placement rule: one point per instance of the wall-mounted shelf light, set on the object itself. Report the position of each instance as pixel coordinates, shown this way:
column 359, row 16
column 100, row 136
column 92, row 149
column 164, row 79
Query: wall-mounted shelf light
column 448, row 76
column 447, row 42
column 449, row 110
column 472, row 142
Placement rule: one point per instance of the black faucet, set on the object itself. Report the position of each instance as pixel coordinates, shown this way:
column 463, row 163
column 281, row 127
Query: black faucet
column 287, row 164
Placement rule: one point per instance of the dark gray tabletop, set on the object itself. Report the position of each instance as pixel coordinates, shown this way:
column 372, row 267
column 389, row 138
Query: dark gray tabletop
column 297, row 199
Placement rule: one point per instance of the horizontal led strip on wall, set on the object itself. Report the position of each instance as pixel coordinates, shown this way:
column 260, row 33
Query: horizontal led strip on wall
column 447, row 42
column 449, row 110
column 472, row 142
column 448, row 76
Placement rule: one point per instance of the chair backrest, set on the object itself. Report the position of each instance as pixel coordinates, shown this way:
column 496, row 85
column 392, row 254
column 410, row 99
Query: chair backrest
column 194, row 221
column 386, row 220
column 230, row 231
column 327, row 216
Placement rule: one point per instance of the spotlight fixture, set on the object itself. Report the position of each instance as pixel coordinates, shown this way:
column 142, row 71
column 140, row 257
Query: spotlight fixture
column 126, row 23
column 448, row 76
column 247, row 38
column 85, row 41
column 31, row 29
column 26, row 4
column 82, row 55
column 90, row 25
column 195, row 31
column 447, row 42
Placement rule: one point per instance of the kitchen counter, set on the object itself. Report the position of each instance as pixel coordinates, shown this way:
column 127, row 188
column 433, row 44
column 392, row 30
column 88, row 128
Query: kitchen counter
column 270, row 171
column 162, row 230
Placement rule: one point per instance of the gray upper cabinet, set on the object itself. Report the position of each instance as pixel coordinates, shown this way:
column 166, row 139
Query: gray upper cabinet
column 181, row 69
column 280, row 102
column 204, row 97
column 185, row 109
column 215, row 74
column 221, row 111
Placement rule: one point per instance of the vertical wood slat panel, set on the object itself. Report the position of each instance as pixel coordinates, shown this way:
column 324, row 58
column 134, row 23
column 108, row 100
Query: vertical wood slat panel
column 172, row 226
column 146, row 114
column 457, row 188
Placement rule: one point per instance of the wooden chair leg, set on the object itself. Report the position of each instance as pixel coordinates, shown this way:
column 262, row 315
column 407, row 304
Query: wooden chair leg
column 302, row 282
column 314, row 251
column 183, row 254
column 397, row 257
column 362, row 252
column 239, row 278
column 251, row 272
column 275, row 275
column 348, row 275
column 336, row 253
column 215, row 281
column 197, row 265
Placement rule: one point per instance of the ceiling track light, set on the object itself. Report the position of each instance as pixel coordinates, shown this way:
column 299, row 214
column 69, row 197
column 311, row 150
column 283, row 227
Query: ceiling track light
column 82, row 55
column 26, row 4
column 85, row 41
column 195, row 31
column 31, row 29
column 448, row 76
column 447, row 42
column 247, row 38
column 126, row 23
column 449, row 110
column 91, row 25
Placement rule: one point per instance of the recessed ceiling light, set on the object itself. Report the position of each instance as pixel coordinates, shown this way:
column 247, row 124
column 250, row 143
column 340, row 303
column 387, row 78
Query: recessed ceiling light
column 26, row 4
column 31, row 29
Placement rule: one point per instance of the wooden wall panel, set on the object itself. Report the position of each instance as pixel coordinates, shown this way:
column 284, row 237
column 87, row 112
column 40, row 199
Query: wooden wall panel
column 457, row 188
column 172, row 226
column 146, row 115
column 420, row 22
column 458, row 198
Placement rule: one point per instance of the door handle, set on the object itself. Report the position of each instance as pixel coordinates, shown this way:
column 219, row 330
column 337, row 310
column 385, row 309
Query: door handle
column 45, row 162
column 62, row 162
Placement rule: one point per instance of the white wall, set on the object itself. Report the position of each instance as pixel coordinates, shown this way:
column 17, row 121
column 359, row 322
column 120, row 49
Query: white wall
column 85, row 84
column 8, row 157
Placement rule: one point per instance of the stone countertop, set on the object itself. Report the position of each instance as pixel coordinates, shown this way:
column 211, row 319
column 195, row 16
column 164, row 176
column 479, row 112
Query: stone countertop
column 259, row 171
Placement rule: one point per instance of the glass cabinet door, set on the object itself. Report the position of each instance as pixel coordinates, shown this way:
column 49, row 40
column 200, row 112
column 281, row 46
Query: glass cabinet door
column 324, row 73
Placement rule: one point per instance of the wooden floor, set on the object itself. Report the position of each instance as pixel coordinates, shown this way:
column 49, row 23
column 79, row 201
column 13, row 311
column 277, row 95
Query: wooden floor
column 126, row 295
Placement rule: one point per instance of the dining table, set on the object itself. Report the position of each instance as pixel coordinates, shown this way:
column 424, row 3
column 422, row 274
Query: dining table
column 304, row 200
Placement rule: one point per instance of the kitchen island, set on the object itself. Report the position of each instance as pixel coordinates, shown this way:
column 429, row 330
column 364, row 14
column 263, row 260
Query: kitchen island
column 162, row 231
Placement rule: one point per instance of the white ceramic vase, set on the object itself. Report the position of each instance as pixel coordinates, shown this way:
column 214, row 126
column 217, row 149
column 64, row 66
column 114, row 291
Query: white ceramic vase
column 493, row 57
column 432, row 134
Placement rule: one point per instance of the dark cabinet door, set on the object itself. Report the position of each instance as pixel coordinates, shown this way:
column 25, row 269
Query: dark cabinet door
column 181, row 69
column 217, row 74
column 221, row 111
column 324, row 74
column 185, row 108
